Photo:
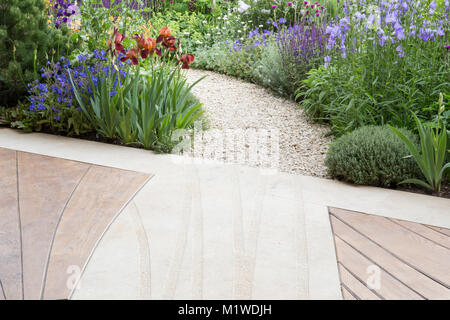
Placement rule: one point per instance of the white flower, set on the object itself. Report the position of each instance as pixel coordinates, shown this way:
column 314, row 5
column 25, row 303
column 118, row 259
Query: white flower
column 186, row 33
column 242, row 6
column 260, row 26
column 239, row 31
column 265, row 11
column 204, row 21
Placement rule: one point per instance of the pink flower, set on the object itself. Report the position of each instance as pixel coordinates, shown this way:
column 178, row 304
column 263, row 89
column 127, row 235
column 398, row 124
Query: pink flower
column 289, row 4
column 322, row 7
column 306, row 2
column 447, row 47
column 274, row 7
column 312, row 6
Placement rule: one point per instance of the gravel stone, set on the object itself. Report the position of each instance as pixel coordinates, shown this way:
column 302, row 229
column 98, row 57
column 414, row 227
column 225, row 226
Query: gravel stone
column 231, row 104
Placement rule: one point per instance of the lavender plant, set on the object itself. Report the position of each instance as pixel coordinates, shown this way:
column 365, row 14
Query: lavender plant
column 384, row 59
column 301, row 47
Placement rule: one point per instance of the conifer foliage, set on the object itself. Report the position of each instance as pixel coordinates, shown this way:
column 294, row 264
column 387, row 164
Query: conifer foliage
column 28, row 40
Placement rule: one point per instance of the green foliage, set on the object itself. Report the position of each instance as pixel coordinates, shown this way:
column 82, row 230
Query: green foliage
column 376, row 88
column 379, row 73
column 98, row 21
column 372, row 155
column 270, row 71
column 149, row 107
column 431, row 155
column 26, row 43
column 102, row 109
column 70, row 120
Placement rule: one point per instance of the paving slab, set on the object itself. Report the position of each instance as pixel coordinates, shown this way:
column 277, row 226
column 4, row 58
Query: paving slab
column 218, row 231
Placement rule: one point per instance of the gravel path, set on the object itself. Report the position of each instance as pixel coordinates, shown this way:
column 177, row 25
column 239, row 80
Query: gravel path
column 242, row 108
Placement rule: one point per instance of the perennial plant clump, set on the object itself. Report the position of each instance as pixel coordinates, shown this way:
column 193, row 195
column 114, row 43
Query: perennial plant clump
column 384, row 60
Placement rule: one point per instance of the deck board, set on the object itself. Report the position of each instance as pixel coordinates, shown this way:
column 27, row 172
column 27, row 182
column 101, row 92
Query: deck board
column 82, row 226
column 440, row 230
column 413, row 259
column 358, row 288
column 10, row 246
column 405, row 273
column 46, row 186
column 347, row 294
column 390, row 287
column 427, row 233
column 408, row 246
column 53, row 212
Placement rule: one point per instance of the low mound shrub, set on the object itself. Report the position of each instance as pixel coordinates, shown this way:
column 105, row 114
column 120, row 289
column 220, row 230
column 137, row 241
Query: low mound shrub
column 372, row 155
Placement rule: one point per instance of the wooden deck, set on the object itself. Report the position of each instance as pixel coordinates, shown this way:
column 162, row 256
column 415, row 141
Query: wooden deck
column 53, row 212
column 384, row 258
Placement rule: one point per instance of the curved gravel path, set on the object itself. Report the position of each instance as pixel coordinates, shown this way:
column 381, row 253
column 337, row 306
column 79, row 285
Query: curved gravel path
column 242, row 108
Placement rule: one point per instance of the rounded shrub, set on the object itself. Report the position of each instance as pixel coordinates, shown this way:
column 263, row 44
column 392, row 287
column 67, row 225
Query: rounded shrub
column 371, row 155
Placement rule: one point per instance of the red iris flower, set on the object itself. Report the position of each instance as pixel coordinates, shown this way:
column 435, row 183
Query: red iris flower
column 131, row 55
column 166, row 39
column 186, row 60
column 116, row 39
column 145, row 47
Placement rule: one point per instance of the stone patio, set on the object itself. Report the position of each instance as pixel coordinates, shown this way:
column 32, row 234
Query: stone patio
column 206, row 230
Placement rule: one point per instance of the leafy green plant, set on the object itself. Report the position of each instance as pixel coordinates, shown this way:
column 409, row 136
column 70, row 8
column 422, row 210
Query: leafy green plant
column 163, row 106
column 27, row 41
column 372, row 155
column 431, row 155
column 104, row 108
column 145, row 107
column 376, row 72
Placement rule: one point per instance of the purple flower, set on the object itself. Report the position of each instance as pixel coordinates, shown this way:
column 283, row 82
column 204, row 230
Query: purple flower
column 400, row 51
column 327, row 60
column 398, row 29
column 432, row 7
column 390, row 18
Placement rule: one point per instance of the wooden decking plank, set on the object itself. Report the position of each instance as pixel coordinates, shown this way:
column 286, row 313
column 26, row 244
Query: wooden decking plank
column 2, row 293
column 390, row 287
column 360, row 290
column 46, row 184
column 440, row 230
column 97, row 201
column 405, row 273
column 423, row 254
column 10, row 242
column 347, row 295
column 426, row 232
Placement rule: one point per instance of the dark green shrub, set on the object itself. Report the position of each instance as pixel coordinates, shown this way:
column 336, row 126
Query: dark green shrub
column 26, row 43
column 371, row 155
